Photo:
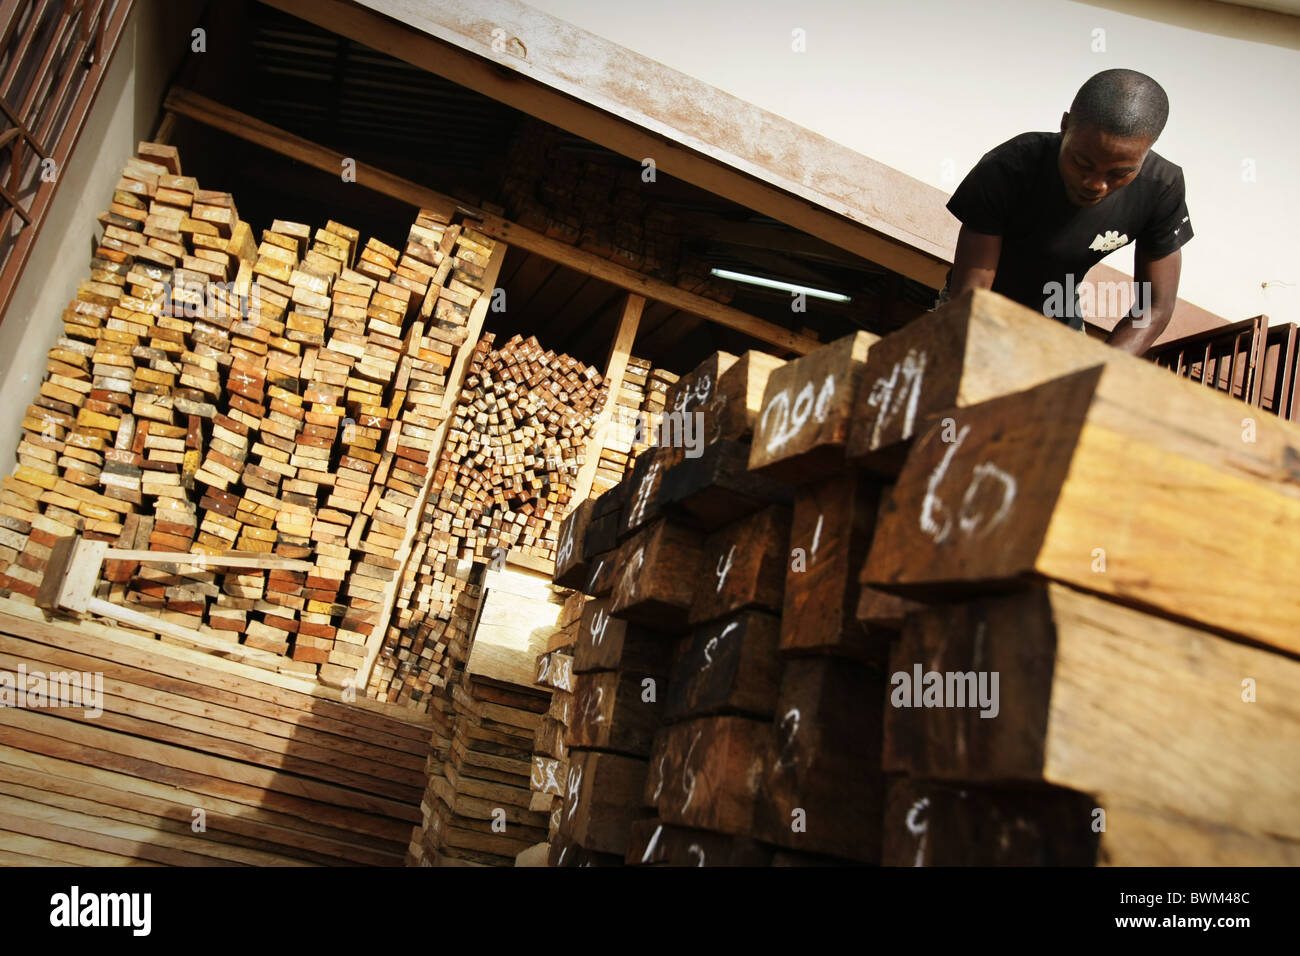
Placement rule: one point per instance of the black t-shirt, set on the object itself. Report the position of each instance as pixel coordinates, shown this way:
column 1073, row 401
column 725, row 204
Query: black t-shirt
column 1015, row 191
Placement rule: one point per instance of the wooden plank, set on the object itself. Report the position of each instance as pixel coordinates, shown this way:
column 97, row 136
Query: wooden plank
column 706, row 773
column 1099, row 698
column 619, row 351
column 809, row 406
column 656, row 574
column 747, row 560
column 718, row 488
column 729, row 666
column 294, row 834
column 830, row 535
column 976, row 347
column 600, row 800
column 823, row 789
column 616, row 712
column 199, row 701
column 312, row 703
column 945, row 824
column 607, row 642
column 376, row 815
column 1116, row 481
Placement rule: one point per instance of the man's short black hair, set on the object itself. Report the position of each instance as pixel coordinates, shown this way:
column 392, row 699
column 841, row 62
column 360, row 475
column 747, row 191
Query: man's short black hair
column 1122, row 103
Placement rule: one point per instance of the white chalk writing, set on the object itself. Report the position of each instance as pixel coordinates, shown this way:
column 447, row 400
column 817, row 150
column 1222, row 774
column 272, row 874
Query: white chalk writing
column 887, row 396
column 722, row 568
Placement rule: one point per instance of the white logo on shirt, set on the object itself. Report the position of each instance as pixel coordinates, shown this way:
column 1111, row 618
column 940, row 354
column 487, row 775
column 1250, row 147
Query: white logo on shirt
column 1112, row 240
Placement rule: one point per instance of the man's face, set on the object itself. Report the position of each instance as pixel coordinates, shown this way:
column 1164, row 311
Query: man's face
column 1094, row 164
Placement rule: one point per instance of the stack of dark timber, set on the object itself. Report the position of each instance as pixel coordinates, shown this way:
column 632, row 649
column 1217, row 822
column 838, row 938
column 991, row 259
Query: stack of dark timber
column 212, row 393
column 479, row 808
column 683, row 566
column 608, row 209
column 959, row 609
column 476, row 807
column 1148, row 528
column 507, row 471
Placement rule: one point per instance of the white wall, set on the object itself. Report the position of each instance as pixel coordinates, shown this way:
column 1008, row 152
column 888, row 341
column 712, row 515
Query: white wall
column 928, row 86
column 125, row 111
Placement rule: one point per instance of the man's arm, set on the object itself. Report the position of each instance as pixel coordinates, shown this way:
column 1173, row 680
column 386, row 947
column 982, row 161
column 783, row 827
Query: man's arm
column 1137, row 335
column 975, row 262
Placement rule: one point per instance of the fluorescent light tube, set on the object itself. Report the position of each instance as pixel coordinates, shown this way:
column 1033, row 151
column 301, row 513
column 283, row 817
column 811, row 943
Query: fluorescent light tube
column 783, row 286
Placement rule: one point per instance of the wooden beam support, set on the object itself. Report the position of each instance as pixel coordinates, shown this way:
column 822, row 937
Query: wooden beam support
column 213, row 114
column 619, row 350
column 648, row 286
column 455, row 380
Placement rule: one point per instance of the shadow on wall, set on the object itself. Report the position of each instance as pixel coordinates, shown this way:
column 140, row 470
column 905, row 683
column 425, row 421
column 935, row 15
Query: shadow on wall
column 1216, row 17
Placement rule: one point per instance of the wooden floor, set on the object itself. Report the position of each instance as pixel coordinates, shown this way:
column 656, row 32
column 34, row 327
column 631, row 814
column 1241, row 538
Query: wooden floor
column 285, row 773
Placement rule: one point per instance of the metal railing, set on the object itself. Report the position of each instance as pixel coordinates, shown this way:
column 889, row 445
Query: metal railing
column 1250, row 360
column 53, row 56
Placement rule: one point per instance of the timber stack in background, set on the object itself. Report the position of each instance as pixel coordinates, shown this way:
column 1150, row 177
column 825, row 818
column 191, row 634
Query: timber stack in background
column 964, row 595
column 212, row 393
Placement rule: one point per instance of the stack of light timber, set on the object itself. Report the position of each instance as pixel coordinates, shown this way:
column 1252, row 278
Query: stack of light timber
column 628, row 429
column 658, row 384
column 506, row 473
column 179, row 758
column 957, row 489
column 212, row 393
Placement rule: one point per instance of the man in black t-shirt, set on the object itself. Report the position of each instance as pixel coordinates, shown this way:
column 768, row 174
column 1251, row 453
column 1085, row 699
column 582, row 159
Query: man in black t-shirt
column 1042, row 209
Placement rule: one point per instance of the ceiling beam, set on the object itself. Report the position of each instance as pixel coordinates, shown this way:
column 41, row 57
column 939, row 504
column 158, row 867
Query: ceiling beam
column 231, row 121
column 632, row 105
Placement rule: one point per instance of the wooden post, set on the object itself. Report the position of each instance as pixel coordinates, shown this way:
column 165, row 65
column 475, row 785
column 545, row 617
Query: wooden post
column 619, row 350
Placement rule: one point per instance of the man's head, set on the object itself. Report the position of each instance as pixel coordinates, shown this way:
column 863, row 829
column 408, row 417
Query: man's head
column 1114, row 119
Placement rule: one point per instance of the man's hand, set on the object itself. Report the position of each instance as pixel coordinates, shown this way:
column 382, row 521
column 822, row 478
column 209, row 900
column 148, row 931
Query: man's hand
column 1139, row 334
column 975, row 262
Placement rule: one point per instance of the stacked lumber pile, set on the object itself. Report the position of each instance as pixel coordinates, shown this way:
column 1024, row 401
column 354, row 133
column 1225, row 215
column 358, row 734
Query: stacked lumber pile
column 951, row 577
column 180, row 758
column 605, row 208
column 478, row 805
column 676, row 649
column 635, row 422
column 550, row 751
column 479, row 808
column 1119, row 546
column 514, row 446
column 213, row 393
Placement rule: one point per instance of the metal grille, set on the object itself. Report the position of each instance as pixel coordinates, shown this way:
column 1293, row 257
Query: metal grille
column 1250, row 360
column 52, row 57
